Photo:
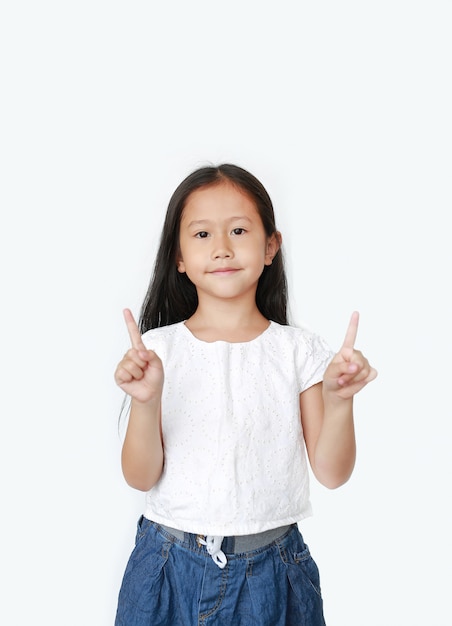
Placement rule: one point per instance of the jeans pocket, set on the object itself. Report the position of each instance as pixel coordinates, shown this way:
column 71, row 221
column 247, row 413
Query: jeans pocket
column 143, row 525
column 143, row 576
column 303, row 573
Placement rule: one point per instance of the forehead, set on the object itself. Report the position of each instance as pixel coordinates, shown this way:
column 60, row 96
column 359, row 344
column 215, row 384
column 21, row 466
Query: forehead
column 215, row 201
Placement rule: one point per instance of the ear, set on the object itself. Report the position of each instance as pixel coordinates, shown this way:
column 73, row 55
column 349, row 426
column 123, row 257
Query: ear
column 273, row 245
column 180, row 266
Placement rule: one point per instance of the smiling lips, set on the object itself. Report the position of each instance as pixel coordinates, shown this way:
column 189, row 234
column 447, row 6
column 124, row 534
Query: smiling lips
column 224, row 271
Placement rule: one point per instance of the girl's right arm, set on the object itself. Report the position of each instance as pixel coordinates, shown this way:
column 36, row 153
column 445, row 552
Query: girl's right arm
column 140, row 375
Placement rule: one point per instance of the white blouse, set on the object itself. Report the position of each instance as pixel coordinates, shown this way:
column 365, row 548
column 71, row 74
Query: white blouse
column 235, row 459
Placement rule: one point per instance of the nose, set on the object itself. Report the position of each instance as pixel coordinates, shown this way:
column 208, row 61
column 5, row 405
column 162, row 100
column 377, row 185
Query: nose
column 222, row 248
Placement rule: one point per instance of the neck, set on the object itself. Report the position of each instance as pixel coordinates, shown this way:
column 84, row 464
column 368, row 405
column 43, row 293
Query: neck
column 227, row 322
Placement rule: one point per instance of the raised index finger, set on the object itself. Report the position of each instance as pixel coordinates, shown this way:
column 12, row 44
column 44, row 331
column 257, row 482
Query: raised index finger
column 132, row 328
column 352, row 331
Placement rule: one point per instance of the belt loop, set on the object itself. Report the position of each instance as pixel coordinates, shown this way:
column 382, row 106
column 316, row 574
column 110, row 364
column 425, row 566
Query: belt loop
column 283, row 554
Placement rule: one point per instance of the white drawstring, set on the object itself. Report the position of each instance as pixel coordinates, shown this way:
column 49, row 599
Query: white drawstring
column 213, row 547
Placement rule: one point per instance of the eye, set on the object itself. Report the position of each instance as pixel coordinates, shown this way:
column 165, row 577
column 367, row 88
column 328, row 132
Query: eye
column 202, row 234
column 238, row 231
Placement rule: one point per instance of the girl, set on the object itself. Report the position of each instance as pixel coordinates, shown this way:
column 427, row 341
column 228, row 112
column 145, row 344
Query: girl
column 228, row 402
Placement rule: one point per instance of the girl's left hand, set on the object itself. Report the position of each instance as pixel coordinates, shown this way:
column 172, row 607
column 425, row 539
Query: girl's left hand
column 349, row 370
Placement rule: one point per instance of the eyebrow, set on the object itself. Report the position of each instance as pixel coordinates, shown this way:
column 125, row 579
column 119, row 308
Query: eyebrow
column 197, row 223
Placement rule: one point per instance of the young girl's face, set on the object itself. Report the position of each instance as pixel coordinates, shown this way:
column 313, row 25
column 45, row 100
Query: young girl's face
column 223, row 244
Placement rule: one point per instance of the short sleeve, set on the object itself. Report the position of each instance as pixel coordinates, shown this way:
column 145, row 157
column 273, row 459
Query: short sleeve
column 314, row 356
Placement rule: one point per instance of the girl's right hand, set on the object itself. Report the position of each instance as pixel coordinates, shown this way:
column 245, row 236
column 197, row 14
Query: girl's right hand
column 140, row 372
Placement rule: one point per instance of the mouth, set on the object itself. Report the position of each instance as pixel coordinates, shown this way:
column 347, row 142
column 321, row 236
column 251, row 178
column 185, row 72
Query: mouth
column 224, row 271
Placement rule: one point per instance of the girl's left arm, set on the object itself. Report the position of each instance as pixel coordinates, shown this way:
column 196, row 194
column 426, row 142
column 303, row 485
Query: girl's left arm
column 327, row 412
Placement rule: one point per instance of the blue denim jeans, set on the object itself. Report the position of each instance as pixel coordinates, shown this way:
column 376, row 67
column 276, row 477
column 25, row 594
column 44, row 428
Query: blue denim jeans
column 169, row 582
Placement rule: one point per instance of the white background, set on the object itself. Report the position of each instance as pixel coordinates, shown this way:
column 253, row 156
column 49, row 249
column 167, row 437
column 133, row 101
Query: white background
column 343, row 110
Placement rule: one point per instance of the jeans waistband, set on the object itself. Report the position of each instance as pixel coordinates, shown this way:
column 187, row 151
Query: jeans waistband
column 236, row 544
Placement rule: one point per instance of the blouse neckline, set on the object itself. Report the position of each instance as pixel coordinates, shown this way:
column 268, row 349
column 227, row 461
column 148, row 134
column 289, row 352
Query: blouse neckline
column 230, row 343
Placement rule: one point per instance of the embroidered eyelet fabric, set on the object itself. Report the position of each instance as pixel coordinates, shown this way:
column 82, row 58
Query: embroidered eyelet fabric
column 235, row 460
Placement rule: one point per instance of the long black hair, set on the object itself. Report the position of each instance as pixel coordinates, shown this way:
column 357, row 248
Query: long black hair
column 171, row 296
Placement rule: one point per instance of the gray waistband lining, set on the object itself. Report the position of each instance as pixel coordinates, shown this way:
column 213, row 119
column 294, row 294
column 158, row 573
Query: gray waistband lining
column 238, row 543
